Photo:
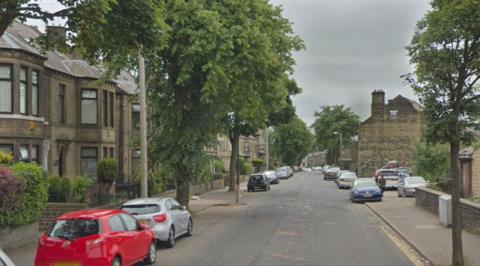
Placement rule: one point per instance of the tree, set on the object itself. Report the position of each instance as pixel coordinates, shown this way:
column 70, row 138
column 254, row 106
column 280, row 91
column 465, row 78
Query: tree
column 258, row 95
column 431, row 161
column 329, row 123
column 445, row 53
column 291, row 142
column 30, row 9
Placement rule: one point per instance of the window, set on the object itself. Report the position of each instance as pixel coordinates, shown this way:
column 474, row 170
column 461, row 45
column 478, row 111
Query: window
column 61, row 104
column 112, row 109
column 112, row 153
column 88, row 162
column 89, row 107
column 6, row 148
column 394, row 114
column 130, row 222
column 6, row 89
column 35, row 154
column 23, row 90
column 246, row 146
column 24, row 153
column 116, row 224
column 35, row 91
column 105, row 152
column 105, row 108
column 135, row 116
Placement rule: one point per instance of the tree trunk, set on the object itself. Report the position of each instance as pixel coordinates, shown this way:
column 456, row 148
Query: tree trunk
column 234, row 140
column 8, row 17
column 457, row 249
column 183, row 187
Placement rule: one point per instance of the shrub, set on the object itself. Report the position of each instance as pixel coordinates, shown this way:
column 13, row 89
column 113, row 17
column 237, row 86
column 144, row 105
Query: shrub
column 81, row 187
column 6, row 158
column 58, row 189
column 245, row 166
column 258, row 163
column 107, row 170
column 431, row 161
column 11, row 189
column 219, row 166
column 33, row 200
column 158, row 179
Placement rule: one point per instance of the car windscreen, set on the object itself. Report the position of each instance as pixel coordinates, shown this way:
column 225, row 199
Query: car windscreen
column 140, row 209
column 388, row 173
column 415, row 180
column 365, row 183
column 74, row 228
column 349, row 175
column 255, row 178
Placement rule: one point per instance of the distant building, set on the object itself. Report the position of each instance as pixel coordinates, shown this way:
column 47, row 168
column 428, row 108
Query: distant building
column 315, row 159
column 390, row 133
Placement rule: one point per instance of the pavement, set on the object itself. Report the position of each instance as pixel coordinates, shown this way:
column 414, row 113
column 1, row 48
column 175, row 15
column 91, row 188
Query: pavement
column 423, row 230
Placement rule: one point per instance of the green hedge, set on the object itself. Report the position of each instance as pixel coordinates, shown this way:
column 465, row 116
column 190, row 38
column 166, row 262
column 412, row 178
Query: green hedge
column 107, row 170
column 58, row 189
column 81, row 187
column 245, row 166
column 33, row 200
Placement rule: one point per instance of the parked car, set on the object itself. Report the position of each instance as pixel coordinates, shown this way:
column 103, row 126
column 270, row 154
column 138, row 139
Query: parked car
column 282, row 173
column 346, row 179
column 391, row 176
column 96, row 237
column 364, row 189
column 406, row 186
column 289, row 170
column 317, row 169
column 331, row 173
column 165, row 216
column 5, row 260
column 258, row 181
column 339, row 173
column 272, row 177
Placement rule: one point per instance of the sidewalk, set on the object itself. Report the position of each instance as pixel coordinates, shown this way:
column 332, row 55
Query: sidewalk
column 423, row 229
column 25, row 255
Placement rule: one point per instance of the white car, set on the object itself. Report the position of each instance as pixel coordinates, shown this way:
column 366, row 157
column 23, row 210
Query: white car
column 289, row 170
column 282, row 173
column 272, row 177
column 5, row 260
column 346, row 180
column 406, row 186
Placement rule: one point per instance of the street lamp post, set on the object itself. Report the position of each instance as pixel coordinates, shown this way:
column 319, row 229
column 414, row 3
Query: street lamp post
column 341, row 142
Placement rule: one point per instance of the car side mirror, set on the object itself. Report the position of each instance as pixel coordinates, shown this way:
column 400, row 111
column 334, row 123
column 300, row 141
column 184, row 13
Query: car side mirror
column 141, row 227
column 184, row 208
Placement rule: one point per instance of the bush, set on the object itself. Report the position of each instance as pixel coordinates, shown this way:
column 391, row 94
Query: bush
column 6, row 158
column 32, row 201
column 245, row 166
column 432, row 161
column 107, row 170
column 219, row 166
column 158, row 179
column 58, row 189
column 258, row 163
column 11, row 189
column 81, row 187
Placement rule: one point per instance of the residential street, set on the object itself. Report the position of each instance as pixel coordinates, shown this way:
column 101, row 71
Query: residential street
column 301, row 221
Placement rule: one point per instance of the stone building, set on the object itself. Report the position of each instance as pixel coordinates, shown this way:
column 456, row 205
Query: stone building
column 315, row 159
column 54, row 113
column 390, row 133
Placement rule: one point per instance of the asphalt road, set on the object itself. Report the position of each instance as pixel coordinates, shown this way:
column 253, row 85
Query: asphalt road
column 302, row 221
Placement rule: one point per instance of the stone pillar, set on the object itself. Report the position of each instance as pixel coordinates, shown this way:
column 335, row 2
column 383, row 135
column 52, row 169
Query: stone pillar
column 45, row 150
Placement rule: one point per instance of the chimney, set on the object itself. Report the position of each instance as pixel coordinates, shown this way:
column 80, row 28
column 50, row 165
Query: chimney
column 57, row 34
column 378, row 104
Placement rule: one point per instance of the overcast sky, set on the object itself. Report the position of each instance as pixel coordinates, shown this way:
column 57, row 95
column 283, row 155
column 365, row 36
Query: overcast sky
column 353, row 47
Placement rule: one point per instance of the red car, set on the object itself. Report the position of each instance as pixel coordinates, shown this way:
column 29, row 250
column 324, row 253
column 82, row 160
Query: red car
column 96, row 237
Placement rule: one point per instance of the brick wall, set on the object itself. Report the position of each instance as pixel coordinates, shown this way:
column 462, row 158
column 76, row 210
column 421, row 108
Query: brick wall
column 54, row 210
column 427, row 199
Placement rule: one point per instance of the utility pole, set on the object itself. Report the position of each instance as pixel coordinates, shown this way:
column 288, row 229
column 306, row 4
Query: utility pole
column 237, row 185
column 266, row 157
column 143, row 125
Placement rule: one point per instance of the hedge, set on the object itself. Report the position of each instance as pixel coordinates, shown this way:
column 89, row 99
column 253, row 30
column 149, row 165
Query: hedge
column 33, row 200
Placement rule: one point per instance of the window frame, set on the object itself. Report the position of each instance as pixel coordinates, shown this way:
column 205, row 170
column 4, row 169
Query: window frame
column 111, row 108
column 24, row 82
column 105, row 109
column 11, row 87
column 90, row 99
column 11, row 147
column 82, row 157
column 62, row 118
column 35, row 112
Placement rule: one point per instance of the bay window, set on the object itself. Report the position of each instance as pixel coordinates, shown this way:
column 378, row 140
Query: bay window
column 88, row 162
column 35, row 91
column 89, row 106
column 23, row 90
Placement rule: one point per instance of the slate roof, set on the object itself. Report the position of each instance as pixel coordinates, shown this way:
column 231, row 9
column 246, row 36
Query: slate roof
column 20, row 36
column 415, row 105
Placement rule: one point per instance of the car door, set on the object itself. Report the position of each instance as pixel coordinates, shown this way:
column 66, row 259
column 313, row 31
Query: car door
column 137, row 243
column 173, row 214
column 182, row 216
column 118, row 233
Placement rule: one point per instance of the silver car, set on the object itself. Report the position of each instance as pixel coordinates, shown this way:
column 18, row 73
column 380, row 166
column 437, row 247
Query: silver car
column 165, row 216
column 5, row 260
column 272, row 177
column 406, row 186
column 282, row 172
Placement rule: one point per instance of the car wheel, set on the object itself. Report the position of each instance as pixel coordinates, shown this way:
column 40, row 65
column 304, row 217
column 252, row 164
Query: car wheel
column 189, row 227
column 117, row 262
column 152, row 254
column 171, row 238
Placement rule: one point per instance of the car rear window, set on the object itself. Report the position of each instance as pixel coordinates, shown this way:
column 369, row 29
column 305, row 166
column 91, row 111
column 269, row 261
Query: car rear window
column 74, row 228
column 140, row 209
column 256, row 177
column 365, row 183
